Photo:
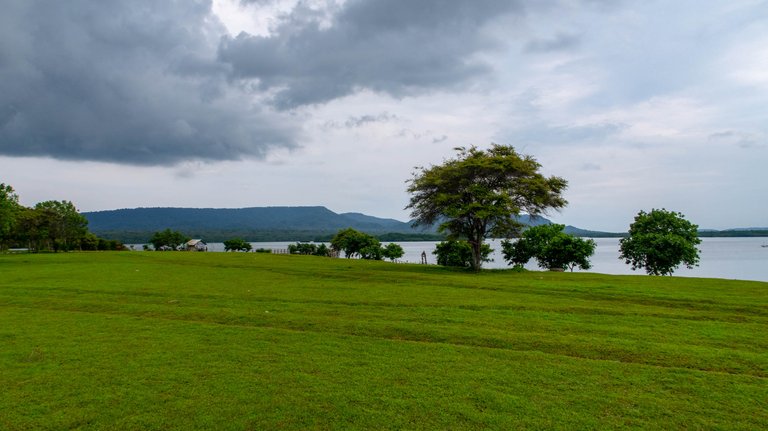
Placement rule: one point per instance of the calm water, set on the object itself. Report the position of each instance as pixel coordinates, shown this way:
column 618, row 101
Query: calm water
column 733, row 258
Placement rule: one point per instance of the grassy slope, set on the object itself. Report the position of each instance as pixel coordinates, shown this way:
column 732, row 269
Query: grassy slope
column 248, row 341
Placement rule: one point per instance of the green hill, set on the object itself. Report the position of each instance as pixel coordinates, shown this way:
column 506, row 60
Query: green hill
column 254, row 224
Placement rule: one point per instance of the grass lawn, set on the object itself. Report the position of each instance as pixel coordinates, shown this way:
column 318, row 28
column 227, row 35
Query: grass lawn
column 183, row 341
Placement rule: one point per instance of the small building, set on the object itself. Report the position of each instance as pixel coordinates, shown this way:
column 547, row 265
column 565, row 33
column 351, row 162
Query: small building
column 196, row 245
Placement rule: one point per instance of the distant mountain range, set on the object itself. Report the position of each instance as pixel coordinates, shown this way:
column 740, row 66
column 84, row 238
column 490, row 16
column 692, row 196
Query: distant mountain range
column 260, row 218
column 317, row 223
column 253, row 224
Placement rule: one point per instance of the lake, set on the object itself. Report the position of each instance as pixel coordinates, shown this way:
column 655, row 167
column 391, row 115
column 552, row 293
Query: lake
column 731, row 258
column 734, row 258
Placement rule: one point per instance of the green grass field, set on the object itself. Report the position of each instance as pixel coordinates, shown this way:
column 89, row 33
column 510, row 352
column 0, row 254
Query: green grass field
column 140, row 340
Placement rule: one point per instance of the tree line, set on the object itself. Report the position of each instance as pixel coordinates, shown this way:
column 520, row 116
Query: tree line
column 46, row 226
column 353, row 243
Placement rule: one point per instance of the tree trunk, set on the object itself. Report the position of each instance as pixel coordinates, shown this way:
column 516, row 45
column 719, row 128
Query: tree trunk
column 477, row 262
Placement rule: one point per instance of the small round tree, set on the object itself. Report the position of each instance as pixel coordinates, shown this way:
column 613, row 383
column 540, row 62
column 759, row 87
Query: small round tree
column 168, row 240
column 660, row 241
column 551, row 247
column 355, row 243
column 237, row 244
column 393, row 251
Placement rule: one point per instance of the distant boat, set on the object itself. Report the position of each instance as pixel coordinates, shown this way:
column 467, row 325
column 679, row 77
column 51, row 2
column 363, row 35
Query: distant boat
column 764, row 246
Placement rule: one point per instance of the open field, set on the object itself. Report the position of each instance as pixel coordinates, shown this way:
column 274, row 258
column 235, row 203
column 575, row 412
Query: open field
column 186, row 341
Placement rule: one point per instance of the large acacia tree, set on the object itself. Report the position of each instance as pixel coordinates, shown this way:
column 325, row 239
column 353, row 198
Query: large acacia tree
column 479, row 194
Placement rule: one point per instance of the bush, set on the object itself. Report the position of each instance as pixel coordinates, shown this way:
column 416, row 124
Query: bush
column 355, row 243
column 237, row 244
column 459, row 253
column 551, row 247
column 322, row 250
column 308, row 248
column 393, row 251
column 168, row 240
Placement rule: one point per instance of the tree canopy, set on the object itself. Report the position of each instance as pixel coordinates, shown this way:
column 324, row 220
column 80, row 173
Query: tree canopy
column 551, row 247
column 49, row 225
column 168, row 240
column 237, row 244
column 62, row 223
column 660, row 241
column 356, row 244
column 308, row 248
column 459, row 253
column 9, row 210
column 359, row 244
column 393, row 251
column 479, row 193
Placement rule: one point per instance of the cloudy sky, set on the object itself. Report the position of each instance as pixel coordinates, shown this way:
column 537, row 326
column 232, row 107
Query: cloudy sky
column 239, row 103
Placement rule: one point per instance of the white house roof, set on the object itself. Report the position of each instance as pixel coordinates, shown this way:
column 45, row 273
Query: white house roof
column 194, row 242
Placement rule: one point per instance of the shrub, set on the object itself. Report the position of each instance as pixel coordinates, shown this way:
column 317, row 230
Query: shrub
column 551, row 247
column 459, row 253
column 393, row 251
column 237, row 244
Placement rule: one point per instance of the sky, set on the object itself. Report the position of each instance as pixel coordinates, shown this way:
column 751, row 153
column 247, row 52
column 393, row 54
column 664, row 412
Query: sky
column 243, row 103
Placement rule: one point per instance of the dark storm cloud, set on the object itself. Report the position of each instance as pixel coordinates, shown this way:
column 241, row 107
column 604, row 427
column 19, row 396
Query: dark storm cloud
column 398, row 47
column 129, row 82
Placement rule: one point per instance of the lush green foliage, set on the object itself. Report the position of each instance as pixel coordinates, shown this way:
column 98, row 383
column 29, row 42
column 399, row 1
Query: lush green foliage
column 551, row 247
column 392, row 251
column 49, row 225
column 186, row 341
column 91, row 242
column 357, row 244
column 459, row 253
column 480, row 193
column 168, row 239
column 237, row 244
column 660, row 241
column 308, row 248
column 9, row 210
column 63, row 225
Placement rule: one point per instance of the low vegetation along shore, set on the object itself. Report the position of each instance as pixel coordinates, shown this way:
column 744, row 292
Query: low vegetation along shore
column 256, row 341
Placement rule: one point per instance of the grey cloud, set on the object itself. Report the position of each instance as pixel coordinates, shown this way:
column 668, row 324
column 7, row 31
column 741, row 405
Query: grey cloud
column 360, row 121
column 561, row 42
column 722, row 135
column 365, row 119
column 398, row 47
column 128, row 82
